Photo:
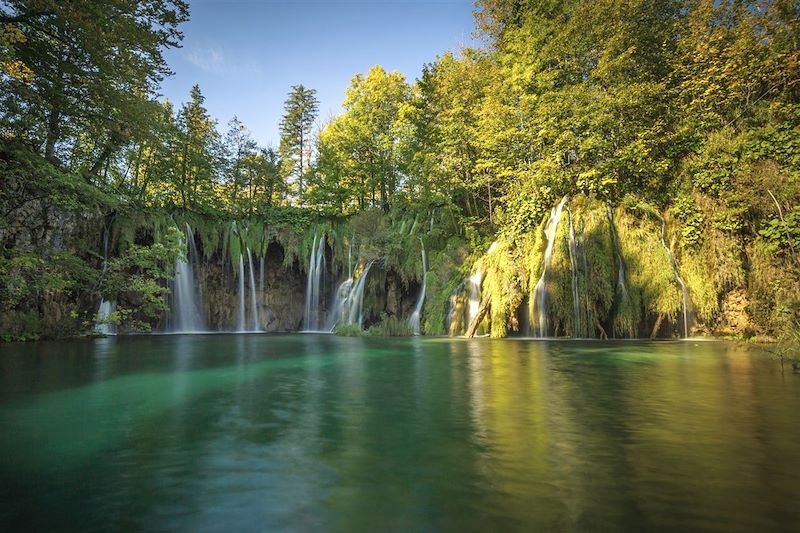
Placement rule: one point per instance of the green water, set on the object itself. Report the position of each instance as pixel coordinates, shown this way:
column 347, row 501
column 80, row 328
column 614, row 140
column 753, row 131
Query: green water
column 316, row 432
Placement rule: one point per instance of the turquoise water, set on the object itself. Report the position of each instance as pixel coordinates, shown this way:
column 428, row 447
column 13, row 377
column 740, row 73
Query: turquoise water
column 317, row 432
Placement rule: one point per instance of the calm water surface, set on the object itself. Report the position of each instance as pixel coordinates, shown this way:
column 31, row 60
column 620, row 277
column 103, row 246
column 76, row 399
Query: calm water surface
column 314, row 432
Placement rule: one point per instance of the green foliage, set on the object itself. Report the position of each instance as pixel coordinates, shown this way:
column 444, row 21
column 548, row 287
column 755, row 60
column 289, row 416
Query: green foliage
column 782, row 234
column 788, row 347
column 503, row 286
column 21, row 326
column 775, row 289
column 348, row 330
column 389, row 326
column 686, row 110
column 652, row 283
column 446, row 272
column 137, row 278
column 692, row 221
column 300, row 111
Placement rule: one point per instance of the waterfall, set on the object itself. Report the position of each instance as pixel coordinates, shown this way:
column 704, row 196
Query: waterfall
column 187, row 314
column 309, row 284
column 349, row 304
column 103, row 313
column 106, row 307
column 474, row 283
column 573, row 261
column 355, row 313
column 621, row 287
column 540, row 292
column 105, row 246
column 340, row 305
column 242, row 321
column 316, row 265
column 413, row 322
column 678, row 278
column 253, row 300
column 455, row 296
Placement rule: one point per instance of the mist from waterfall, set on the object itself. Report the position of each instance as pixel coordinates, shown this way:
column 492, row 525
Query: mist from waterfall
column 474, row 302
column 316, row 267
column 256, row 325
column 355, row 309
column 348, row 307
column 414, row 321
column 101, row 324
column 186, row 311
column 106, row 307
column 540, row 292
column 242, row 324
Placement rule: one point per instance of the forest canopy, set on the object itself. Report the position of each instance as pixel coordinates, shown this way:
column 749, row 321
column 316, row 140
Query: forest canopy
column 685, row 108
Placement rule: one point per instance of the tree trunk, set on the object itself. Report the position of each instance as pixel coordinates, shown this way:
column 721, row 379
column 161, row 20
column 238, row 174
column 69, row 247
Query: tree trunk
column 473, row 326
column 384, row 196
column 53, row 132
column 102, row 158
column 657, row 326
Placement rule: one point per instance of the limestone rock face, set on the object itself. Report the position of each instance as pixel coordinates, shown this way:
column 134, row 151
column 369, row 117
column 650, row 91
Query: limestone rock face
column 280, row 304
column 734, row 319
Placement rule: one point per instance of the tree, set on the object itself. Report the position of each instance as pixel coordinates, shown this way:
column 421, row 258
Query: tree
column 300, row 112
column 85, row 73
column 198, row 154
column 361, row 145
column 239, row 150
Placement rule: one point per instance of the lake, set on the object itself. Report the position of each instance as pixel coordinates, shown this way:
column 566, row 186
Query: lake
column 318, row 432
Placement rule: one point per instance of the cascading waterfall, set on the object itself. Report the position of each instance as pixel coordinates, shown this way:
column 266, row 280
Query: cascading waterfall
column 349, row 304
column 316, row 266
column 573, row 261
column 187, row 315
column 621, row 287
column 453, row 302
column 253, row 300
column 103, row 313
column 540, row 292
column 106, row 307
column 474, row 283
column 355, row 308
column 678, row 278
column 413, row 322
column 242, row 326
column 340, row 307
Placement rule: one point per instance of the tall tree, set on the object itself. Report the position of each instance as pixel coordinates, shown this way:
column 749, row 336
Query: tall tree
column 83, row 72
column 300, row 112
column 239, row 149
column 199, row 152
column 361, row 145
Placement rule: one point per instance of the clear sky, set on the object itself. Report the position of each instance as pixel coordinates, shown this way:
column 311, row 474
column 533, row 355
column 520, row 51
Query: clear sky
column 246, row 54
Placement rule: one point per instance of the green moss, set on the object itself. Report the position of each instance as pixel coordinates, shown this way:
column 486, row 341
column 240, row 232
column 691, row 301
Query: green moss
column 503, row 285
column 598, row 286
column 652, row 284
column 774, row 284
column 347, row 330
column 389, row 326
column 445, row 274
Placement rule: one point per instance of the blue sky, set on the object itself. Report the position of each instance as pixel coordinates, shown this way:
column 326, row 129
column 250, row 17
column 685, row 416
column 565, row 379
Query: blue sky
column 246, row 54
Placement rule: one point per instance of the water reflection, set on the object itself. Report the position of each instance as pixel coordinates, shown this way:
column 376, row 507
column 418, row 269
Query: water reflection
column 319, row 432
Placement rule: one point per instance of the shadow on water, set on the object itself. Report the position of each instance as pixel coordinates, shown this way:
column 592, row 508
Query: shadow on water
column 309, row 432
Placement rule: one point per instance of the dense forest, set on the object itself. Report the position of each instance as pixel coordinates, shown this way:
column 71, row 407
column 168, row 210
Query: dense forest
column 605, row 168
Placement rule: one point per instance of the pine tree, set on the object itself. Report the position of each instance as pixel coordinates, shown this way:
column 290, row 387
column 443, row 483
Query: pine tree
column 301, row 108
